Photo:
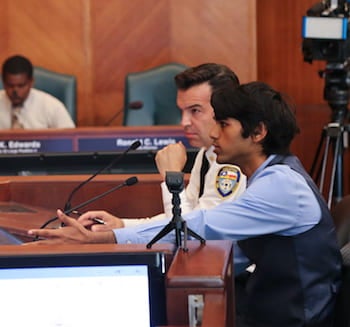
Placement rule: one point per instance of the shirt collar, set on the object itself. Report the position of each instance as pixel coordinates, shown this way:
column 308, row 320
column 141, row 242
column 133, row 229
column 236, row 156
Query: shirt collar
column 210, row 154
column 262, row 167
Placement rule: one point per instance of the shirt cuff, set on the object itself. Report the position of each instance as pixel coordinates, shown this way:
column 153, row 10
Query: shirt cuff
column 125, row 235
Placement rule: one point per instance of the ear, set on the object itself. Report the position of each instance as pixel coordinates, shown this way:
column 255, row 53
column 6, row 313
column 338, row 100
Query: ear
column 260, row 133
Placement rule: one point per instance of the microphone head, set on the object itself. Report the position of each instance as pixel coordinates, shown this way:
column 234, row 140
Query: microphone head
column 131, row 181
column 135, row 145
column 135, row 105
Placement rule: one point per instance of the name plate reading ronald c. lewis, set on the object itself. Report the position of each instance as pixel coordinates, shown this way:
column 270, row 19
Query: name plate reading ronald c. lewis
column 122, row 143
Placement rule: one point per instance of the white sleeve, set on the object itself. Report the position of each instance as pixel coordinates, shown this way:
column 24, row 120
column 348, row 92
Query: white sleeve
column 62, row 117
column 130, row 222
column 223, row 182
column 58, row 114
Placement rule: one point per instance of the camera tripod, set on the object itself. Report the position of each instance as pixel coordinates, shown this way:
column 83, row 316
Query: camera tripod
column 174, row 182
column 335, row 135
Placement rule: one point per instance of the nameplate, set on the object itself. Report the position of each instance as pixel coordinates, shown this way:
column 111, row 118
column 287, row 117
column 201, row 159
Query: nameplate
column 86, row 144
column 24, row 146
column 122, row 143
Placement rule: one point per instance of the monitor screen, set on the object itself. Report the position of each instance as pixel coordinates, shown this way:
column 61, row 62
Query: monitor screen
column 85, row 289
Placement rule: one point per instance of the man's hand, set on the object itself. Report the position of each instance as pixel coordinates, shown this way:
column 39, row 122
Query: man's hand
column 173, row 157
column 73, row 232
column 100, row 221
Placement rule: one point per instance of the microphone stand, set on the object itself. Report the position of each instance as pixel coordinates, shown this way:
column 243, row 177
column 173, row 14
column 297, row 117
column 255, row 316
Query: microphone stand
column 133, row 146
column 174, row 181
column 130, row 181
column 135, row 105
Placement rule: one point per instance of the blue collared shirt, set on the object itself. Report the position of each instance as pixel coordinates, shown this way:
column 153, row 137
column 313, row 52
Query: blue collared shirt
column 277, row 201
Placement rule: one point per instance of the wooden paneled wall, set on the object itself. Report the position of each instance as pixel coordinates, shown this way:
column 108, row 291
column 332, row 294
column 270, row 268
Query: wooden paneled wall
column 100, row 41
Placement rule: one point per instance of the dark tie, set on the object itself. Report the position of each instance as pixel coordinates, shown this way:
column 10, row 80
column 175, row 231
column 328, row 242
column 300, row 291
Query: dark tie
column 204, row 170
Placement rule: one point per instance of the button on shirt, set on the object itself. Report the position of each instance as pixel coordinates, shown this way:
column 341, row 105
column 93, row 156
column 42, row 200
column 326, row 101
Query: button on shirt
column 277, row 200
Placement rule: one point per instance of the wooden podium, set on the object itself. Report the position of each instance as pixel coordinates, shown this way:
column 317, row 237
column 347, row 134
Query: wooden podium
column 205, row 270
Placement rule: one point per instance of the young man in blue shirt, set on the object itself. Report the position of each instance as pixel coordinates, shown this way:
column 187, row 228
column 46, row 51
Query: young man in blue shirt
column 281, row 223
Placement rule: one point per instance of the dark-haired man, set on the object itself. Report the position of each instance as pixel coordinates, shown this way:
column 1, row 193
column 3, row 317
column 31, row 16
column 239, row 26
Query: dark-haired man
column 206, row 189
column 22, row 106
column 281, row 222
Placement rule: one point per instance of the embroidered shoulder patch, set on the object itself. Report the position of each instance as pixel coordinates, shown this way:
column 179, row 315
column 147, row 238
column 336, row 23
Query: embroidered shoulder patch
column 227, row 180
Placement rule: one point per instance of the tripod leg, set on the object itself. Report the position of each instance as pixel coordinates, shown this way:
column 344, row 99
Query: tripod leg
column 195, row 235
column 336, row 171
column 167, row 228
column 317, row 156
column 324, row 163
column 338, row 190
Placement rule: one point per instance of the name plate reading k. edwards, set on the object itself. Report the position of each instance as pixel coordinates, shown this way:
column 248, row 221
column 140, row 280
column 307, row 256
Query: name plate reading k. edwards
column 122, row 143
column 24, row 146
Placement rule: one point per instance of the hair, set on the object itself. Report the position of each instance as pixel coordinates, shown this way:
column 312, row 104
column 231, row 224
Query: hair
column 216, row 75
column 255, row 103
column 17, row 65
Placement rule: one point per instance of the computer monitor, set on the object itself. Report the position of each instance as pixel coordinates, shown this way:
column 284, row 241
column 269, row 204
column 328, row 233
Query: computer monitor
column 85, row 289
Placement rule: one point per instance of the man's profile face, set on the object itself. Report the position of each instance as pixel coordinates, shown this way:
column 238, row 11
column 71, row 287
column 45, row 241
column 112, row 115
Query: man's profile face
column 197, row 114
column 17, row 87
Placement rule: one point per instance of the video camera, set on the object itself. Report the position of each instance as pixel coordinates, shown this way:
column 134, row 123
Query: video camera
column 326, row 32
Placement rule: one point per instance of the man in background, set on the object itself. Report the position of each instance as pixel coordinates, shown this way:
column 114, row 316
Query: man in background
column 210, row 183
column 22, row 106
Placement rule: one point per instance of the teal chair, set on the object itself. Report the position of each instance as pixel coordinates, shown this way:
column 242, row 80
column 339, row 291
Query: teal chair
column 155, row 89
column 61, row 86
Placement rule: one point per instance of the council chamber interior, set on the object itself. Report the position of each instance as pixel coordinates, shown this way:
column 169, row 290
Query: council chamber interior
column 102, row 50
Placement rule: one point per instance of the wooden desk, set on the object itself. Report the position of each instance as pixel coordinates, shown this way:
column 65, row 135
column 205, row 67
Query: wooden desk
column 204, row 269
column 39, row 197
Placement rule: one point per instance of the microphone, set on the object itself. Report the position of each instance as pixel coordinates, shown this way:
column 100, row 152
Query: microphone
column 133, row 146
column 130, row 181
column 135, row 105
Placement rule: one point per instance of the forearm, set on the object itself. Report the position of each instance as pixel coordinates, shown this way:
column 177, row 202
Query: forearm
column 102, row 237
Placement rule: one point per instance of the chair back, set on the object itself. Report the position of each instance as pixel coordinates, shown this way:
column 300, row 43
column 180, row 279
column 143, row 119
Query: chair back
column 62, row 86
column 156, row 90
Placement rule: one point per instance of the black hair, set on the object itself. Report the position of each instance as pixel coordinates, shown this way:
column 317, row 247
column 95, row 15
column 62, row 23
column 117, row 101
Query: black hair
column 17, row 64
column 216, row 75
column 255, row 103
